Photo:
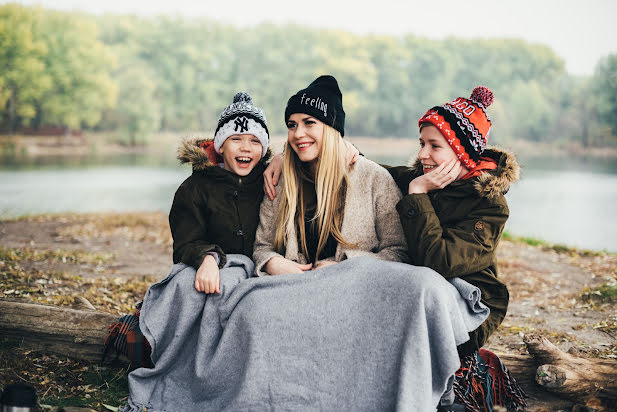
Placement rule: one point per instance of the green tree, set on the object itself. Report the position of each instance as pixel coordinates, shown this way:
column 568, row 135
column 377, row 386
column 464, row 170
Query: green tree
column 196, row 66
column 22, row 68
column 576, row 111
column 432, row 71
column 78, row 65
column 605, row 86
column 266, row 63
column 531, row 113
column 189, row 60
column 345, row 56
column 390, row 102
column 137, row 112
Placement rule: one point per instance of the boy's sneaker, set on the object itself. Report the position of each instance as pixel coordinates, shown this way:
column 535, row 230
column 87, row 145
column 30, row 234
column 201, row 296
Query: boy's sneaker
column 455, row 407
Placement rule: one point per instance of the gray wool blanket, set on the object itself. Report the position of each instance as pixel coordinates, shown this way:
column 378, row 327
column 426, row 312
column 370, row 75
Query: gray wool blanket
column 362, row 335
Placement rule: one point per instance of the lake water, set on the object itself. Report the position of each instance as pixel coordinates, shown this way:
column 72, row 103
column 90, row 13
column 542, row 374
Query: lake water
column 561, row 200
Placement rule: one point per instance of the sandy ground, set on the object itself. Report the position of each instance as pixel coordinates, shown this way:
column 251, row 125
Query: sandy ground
column 552, row 292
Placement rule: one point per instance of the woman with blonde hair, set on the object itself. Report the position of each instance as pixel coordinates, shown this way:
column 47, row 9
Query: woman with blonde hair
column 325, row 210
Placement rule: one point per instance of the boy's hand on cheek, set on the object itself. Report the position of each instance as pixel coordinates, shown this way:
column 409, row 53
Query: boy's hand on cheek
column 439, row 178
column 207, row 277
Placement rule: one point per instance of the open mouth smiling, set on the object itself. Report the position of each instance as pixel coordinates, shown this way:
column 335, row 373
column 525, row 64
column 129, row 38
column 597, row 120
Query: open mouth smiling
column 302, row 146
column 244, row 160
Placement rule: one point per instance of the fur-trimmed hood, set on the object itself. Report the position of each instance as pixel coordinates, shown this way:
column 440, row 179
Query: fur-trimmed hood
column 191, row 151
column 491, row 183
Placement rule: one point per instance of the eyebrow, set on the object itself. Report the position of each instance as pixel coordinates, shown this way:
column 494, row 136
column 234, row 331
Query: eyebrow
column 304, row 119
column 430, row 140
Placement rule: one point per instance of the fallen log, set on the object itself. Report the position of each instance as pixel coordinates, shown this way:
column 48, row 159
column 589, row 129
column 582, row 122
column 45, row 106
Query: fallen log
column 572, row 376
column 78, row 334
column 523, row 368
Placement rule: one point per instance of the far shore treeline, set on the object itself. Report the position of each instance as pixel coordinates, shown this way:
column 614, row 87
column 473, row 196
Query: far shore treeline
column 132, row 76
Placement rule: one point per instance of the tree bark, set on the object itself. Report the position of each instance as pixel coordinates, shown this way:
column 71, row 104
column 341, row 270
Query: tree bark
column 573, row 376
column 12, row 111
column 77, row 334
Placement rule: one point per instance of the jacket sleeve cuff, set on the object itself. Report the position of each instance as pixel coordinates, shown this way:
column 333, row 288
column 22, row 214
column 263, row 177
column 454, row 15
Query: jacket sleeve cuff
column 213, row 250
column 216, row 257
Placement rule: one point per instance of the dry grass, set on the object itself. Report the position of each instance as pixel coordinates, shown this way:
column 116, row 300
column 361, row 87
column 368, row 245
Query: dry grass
column 114, row 295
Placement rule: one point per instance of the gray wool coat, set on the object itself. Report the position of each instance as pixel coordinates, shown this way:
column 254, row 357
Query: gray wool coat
column 370, row 220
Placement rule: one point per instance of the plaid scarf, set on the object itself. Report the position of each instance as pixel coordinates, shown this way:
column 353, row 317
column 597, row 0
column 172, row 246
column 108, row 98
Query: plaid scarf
column 126, row 338
column 483, row 382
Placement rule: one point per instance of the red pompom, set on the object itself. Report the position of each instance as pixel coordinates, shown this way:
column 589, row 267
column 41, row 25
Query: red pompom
column 482, row 95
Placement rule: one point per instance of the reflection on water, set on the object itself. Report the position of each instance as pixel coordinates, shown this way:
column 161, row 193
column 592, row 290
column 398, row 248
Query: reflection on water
column 533, row 165
column 571, row 208
column 88, row 161
column 88, row 190
column 562, row 200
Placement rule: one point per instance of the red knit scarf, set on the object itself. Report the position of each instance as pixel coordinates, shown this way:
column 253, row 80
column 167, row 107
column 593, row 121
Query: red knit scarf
column 485, row 163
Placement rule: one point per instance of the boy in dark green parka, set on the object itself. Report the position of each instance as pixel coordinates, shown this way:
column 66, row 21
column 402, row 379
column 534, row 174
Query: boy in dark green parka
column 454, row 210
column 216, row 210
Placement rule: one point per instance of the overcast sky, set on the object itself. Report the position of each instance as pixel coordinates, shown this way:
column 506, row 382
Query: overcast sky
column 580, row 32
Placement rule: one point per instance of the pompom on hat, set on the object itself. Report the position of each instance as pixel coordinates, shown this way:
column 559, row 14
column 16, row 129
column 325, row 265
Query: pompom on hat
column 464, row 123
column 242, row 117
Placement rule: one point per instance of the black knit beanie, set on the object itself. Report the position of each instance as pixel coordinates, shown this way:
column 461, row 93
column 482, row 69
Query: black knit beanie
column 323, row 100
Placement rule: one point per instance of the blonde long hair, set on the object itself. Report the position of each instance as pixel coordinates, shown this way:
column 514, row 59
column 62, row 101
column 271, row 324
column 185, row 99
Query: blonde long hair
column 331, row 185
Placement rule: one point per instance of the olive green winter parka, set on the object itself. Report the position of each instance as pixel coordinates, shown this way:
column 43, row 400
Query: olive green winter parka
column 456, row 230
column 214, row 210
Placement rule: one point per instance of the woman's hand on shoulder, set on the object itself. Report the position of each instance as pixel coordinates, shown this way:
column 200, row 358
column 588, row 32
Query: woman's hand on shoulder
column 272, row 175
column 207, row 277
column 278, row 265
column 439, row 178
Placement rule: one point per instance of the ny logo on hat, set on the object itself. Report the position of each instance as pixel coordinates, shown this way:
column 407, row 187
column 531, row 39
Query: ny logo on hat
column 242, row 123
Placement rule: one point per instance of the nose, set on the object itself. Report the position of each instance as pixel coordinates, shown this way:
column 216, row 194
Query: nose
column 246, row 145
column 423, row 153
column 298, row 131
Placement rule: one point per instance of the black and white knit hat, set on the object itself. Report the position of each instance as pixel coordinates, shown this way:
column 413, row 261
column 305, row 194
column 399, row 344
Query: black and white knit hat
column 242, row 117
column 323, row 100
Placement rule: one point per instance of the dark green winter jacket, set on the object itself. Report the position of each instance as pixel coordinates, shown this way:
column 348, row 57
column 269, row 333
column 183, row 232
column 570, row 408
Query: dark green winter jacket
column 214, row 210
column 455, row 231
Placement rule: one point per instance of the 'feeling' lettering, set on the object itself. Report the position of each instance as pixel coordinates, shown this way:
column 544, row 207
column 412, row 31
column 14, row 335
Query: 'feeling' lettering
column 315, row 102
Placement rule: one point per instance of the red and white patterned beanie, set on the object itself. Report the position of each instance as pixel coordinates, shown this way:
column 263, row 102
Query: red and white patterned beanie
column 464, row 123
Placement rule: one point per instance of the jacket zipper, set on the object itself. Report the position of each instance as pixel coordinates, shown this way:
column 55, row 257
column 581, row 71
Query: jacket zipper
column 240, row 231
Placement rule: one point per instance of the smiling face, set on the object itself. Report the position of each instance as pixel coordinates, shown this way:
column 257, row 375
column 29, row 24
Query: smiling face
column 305, row 136
column 241, row 152
column 435, row 150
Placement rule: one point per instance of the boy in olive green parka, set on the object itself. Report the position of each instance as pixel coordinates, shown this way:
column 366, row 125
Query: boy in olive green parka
column 454, row 210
